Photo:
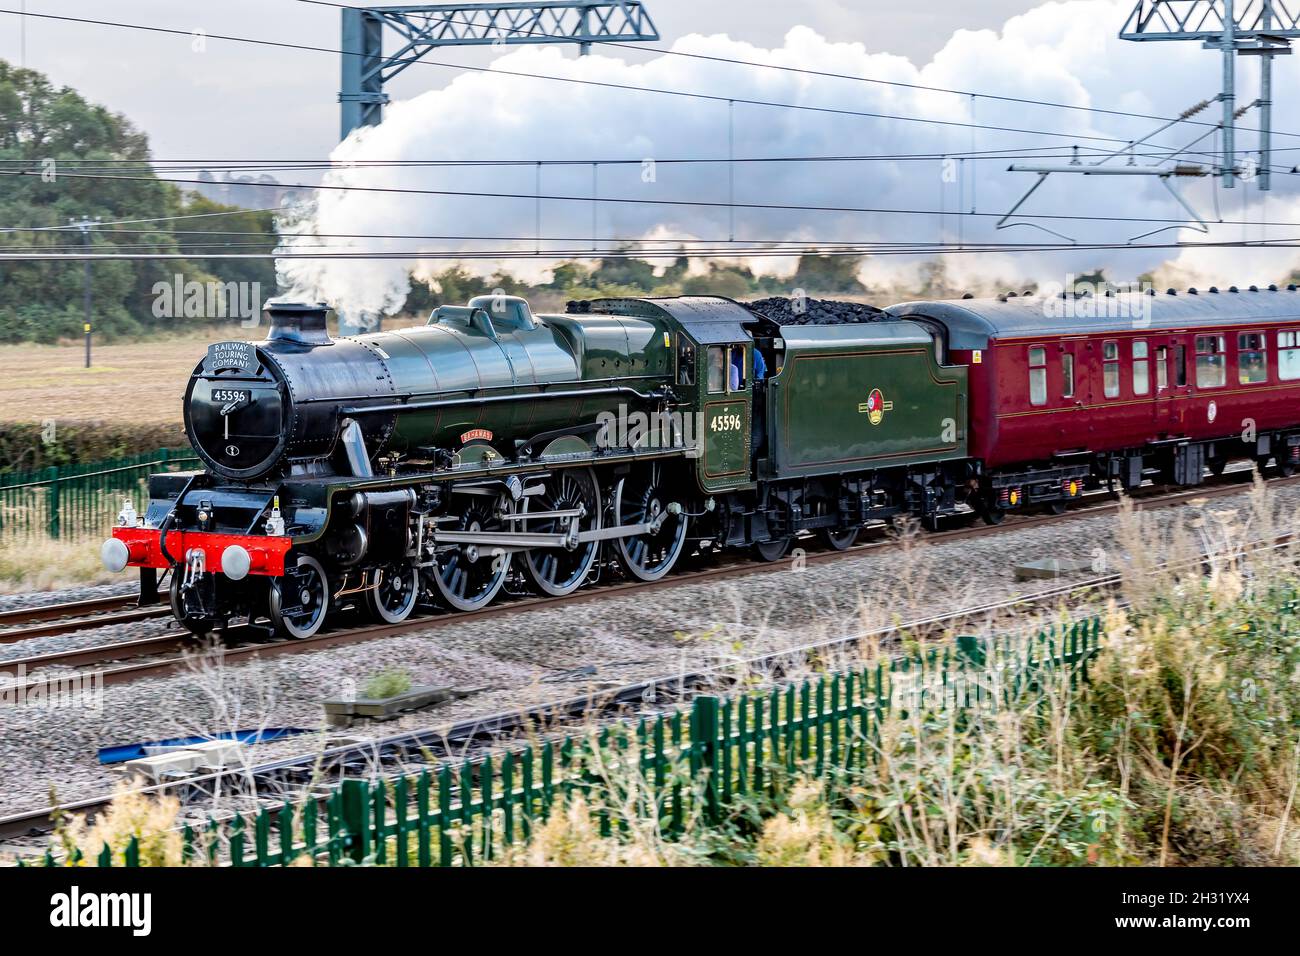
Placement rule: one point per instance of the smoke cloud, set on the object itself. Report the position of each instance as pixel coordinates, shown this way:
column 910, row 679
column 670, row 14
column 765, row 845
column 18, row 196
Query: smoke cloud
column 1060, row 52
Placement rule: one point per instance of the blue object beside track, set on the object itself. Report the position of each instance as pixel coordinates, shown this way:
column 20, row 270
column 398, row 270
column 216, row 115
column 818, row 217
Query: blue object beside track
column 123, row 752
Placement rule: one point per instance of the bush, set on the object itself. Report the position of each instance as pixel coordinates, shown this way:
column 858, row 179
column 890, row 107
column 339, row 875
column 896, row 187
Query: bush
column 23, row 446
column 150, row 821
column 387, row 683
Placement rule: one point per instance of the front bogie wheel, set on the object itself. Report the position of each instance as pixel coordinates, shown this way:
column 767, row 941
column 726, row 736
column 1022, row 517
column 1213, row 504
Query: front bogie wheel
column 299, row 600
column 393, row 597
column 196, row 623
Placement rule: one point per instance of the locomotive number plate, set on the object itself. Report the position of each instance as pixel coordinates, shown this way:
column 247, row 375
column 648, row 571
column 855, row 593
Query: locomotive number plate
column 232, row 396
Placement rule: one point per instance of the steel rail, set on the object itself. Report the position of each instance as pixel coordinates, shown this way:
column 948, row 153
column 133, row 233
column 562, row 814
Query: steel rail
column 128, row 672
column 25, row 615
column 53, row 628
column 100, row 654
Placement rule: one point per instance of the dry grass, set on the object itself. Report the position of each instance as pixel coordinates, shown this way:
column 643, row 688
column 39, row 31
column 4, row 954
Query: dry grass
column 136, row 382
column 45, row 564
column 150, row 821
column 1182, row 749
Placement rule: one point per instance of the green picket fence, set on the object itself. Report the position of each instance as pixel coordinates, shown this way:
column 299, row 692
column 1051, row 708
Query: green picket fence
column 74, row 501
column 689, row 764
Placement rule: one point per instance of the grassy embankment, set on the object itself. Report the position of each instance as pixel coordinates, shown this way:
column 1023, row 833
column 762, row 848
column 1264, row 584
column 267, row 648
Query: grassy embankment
column 54, row 411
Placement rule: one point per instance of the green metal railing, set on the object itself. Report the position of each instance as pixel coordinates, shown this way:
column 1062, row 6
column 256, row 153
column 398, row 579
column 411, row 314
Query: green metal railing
column 684, row 765
column 82, row 500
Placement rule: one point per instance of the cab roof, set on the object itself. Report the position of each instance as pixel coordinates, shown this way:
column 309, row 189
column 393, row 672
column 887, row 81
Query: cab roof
column 708, row 319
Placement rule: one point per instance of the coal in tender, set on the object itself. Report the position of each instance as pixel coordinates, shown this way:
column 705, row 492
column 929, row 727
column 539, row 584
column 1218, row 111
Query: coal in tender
column 782, row 311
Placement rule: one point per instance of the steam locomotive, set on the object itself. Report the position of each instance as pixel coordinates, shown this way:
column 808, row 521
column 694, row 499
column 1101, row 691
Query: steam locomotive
column 494, row 447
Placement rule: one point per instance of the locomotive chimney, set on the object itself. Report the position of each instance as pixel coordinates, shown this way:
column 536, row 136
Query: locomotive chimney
column 298, row 323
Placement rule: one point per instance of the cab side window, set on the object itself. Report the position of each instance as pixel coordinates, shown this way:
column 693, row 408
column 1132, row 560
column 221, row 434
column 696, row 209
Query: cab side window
column 717, row 369
column 736, row 369
column 685, row 362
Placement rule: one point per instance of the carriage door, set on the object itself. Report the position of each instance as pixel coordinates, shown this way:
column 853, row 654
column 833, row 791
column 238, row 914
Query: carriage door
column 1075, row 382
column 728, row 394
column 1171, row 367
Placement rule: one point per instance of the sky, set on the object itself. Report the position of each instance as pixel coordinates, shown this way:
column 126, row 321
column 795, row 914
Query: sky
column 211, row 99
column 240, row 100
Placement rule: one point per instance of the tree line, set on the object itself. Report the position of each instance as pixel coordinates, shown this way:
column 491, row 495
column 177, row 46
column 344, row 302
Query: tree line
column 63, row 158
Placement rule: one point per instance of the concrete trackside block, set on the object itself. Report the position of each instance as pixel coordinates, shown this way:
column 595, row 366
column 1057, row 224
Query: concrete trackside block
column 156, row 766
column 341, row 713
column 214, row 751
column 1050, row 568
column 220, row 753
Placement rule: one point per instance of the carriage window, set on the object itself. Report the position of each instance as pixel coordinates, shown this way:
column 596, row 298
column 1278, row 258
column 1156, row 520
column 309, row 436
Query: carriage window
column 1067, row 374
column 717, row 369
column 1210, row 364
column 1180, row 365
column 1162, row 368
column 1141, row 373
column 1252, row 360
column 736, row 371
column 1038, row 376
column 1110, row 368
column 1288, row 355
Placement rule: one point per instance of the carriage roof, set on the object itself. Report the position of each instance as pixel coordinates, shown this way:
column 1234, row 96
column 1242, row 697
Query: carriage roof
column 971, row 323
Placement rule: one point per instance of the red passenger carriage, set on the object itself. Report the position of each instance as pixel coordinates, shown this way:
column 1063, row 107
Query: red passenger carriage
column 1068, row 390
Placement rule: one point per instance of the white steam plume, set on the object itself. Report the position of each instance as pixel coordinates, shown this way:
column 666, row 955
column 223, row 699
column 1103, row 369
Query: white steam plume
column 1060, row 52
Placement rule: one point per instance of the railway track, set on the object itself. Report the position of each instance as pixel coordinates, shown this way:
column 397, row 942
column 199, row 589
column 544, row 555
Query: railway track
column 420, row 747
column 166, row 654
column 103, row 654
column 413, row 749
column 48, row 620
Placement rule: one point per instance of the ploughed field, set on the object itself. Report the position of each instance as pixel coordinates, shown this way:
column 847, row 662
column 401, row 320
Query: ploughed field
column 142, row 382
column 132, row 382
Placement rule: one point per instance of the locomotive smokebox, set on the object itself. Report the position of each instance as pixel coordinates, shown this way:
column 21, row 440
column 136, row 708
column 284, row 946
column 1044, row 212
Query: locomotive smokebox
column 253, row 409
column 298, row 323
